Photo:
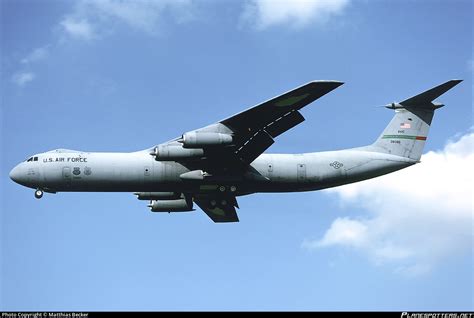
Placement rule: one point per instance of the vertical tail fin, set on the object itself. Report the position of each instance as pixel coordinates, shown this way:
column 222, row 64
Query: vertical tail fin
column 406, row 134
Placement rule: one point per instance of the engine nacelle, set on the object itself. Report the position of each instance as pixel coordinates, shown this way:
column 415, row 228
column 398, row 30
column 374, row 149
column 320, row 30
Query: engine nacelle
column 175, row 152
column 205, row 139
column 157, row 195
column 180, row 205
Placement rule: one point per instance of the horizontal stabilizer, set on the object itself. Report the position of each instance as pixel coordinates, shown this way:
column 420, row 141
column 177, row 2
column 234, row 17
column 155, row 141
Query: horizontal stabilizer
column 424, row 99
column 406, row 134
column 221, row 209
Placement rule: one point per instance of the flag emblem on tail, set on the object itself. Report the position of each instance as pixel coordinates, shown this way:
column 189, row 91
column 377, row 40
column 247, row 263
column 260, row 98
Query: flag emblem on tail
column 405, row 126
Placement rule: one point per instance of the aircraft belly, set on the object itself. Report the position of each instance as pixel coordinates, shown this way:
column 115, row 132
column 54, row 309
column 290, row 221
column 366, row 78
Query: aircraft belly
column 373, row 167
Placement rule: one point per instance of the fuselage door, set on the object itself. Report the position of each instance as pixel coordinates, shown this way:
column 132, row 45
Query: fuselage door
column 270, row 170
column 301, row 172
column 67, row 175
column 147, row 174
column 147, row 171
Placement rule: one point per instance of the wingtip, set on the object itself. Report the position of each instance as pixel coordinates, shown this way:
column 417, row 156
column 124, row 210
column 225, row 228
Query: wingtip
column 453, row 82
column 338, row 83
column 328, row 81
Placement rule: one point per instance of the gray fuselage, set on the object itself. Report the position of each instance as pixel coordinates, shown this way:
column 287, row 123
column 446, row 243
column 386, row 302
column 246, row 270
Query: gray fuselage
column 64, row 170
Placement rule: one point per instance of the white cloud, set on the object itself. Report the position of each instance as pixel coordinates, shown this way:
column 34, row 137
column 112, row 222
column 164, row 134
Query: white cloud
column 343, row 231
column 144, row 15
column 22, row 78
column 78, row 28
column 36, row 55
column 417, row 217
column 296, row 13
column 91, row 19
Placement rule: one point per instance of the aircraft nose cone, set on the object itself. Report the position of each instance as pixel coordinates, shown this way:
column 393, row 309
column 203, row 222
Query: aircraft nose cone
column 16, row 174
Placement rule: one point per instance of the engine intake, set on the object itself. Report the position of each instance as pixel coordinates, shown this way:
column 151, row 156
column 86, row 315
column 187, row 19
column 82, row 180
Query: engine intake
column 175, row 152
column 181, row 205
column 192, row 140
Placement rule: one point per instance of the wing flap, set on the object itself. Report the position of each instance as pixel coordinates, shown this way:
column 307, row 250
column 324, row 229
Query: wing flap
column 255, row 146
column 284, row 123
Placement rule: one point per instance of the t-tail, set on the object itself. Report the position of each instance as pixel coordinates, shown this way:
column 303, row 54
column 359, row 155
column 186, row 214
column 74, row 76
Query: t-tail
column 406, row 133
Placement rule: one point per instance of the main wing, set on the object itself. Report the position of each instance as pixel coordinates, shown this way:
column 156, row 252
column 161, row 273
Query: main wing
column 235, row 142
column 255, row 128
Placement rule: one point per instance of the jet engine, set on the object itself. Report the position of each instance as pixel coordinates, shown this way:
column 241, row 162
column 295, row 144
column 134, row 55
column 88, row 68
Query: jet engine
column 175, row 152
column 195, row 139
column 157, row 195
column 180, row 205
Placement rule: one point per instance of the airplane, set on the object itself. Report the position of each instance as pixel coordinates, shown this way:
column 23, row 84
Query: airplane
column 212, row 166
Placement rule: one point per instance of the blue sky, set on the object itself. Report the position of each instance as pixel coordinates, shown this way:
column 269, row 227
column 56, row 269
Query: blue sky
column 123, row 76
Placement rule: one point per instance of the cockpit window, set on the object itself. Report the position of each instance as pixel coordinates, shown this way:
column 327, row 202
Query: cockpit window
column 31, row 159
column 35, row 158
